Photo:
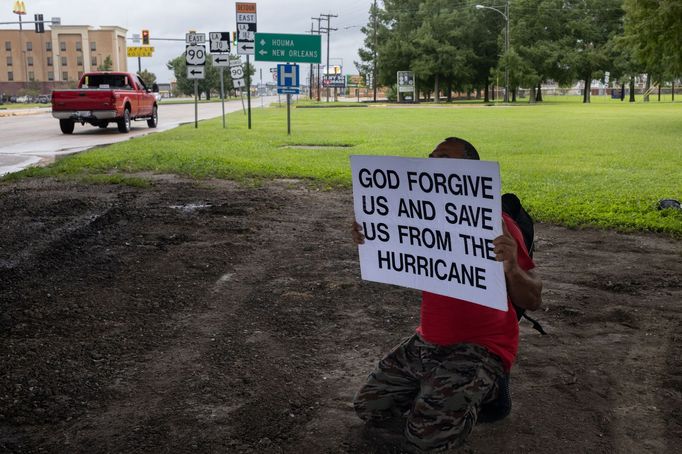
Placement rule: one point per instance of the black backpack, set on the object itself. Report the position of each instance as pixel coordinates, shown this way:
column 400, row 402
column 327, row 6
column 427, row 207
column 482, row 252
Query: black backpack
column 512, row 206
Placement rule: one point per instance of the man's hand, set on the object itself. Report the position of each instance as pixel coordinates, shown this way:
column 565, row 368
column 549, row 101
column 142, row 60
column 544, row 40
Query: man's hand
column 356, row 233
column 506, row 250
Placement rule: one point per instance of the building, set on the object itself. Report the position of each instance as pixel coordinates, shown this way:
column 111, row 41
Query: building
column 57, row 58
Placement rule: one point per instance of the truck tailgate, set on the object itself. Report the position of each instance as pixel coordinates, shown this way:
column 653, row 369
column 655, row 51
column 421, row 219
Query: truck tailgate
column 83, row 100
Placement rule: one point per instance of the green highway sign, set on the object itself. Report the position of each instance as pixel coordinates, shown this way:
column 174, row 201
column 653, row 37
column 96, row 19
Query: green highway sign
column 288, row 48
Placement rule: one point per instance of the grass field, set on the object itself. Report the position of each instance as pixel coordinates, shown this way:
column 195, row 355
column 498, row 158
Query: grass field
column 604, row 164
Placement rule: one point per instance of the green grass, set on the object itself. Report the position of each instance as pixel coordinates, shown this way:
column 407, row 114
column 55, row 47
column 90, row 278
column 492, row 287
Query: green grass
column 603, row 165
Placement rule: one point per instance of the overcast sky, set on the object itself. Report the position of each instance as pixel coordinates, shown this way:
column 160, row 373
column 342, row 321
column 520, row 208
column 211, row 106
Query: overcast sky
column 172, row 19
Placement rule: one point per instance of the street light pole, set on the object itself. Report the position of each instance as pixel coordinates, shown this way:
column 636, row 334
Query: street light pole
column 506, row 44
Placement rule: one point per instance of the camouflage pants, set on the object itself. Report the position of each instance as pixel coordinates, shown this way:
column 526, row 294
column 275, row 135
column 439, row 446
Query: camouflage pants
column 438, row 390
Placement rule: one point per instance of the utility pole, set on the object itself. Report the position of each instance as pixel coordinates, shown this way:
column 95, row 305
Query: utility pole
column 317, row 78
column 374, row 57
column 506, row 65
column 312, row 72
column 328, row 30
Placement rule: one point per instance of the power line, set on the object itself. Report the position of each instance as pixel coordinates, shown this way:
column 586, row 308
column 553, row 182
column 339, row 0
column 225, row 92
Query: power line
column 328, row 30
column 319, row 32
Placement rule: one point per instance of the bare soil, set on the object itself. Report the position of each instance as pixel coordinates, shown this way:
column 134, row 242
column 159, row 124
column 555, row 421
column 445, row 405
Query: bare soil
column 209, row 317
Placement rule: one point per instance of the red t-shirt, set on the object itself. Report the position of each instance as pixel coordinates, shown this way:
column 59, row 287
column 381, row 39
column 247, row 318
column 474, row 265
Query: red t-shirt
column 447, row 321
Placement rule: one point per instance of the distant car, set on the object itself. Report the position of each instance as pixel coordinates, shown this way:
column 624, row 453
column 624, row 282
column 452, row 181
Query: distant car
column 44, row 99
column 22, row 99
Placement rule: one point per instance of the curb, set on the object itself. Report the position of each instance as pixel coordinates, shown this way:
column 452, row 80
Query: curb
column 23, row 112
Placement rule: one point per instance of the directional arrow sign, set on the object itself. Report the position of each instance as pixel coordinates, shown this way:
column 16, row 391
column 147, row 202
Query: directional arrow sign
column 221, row 60
column 288, row 48
column 245, row 48
column 195, row 72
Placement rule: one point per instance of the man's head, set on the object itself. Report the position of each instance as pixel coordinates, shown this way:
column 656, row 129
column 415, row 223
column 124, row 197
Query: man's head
column 454, row 147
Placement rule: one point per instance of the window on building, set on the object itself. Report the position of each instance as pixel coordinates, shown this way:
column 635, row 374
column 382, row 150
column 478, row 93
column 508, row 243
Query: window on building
column 31, row 76
column 64, row 62
column 8, row 45
column 80, row 74
column 10, row 76
column 79, row 46
column 93, row 45
column 29, row 46
column 48, row 46
column 62, row 45
column 93, row 61
column 79, row 60
column 29, row 60
column 50, row 75
column 9, row 61
column 65, row 75
column 50, row 62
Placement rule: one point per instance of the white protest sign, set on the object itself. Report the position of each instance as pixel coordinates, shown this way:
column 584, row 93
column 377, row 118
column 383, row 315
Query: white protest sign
column 429, row 225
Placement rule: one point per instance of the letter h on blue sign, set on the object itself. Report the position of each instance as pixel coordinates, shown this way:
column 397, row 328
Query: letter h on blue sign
column 287, row 75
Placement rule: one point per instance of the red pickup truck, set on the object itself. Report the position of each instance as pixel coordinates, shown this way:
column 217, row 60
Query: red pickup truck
column 105, row 97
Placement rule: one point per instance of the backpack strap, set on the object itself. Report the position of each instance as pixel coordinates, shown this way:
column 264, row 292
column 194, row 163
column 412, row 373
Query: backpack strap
column 512, row 206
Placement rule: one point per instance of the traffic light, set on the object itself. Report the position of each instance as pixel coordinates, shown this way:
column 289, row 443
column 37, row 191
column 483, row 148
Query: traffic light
column 145, row 37
column 40, row 25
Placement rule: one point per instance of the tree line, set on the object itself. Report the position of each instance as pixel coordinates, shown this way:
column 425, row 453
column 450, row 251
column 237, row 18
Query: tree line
column 452, row 46
column 211, row 81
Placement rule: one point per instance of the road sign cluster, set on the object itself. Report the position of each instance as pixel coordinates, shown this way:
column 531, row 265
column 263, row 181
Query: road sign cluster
column 246, row 28
column 195, row 55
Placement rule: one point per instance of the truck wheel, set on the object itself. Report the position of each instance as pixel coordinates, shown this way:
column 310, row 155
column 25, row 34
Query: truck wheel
column 124, row 123
column 66, row 126
column 152, row 122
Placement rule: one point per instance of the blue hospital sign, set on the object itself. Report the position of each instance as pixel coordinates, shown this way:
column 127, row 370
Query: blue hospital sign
column 288, row 79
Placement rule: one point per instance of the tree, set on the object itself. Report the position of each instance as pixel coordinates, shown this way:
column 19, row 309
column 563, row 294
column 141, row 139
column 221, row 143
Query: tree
column 592, row 24
column 654, row 30
column 147, row 77
column 369, row 55
column 106, row 65
column 541, row 44
column 441, row 42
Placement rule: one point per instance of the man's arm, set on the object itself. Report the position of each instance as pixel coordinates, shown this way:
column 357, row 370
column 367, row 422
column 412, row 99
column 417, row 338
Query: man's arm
column 524, row 287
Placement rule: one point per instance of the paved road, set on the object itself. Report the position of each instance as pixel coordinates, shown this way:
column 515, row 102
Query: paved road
column 35, row 138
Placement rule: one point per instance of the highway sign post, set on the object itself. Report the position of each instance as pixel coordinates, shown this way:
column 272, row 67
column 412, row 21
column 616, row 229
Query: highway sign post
column 237, row 74
column 195, row 58
column 288, row 77
column 219, row 46
column 246, row 36
column 288, row 48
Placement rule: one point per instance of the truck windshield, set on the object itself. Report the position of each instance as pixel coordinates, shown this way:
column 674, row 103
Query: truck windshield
column 118, row 81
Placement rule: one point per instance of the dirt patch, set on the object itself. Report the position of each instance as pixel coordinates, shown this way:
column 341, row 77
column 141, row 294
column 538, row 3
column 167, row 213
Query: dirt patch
column 209, row 317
